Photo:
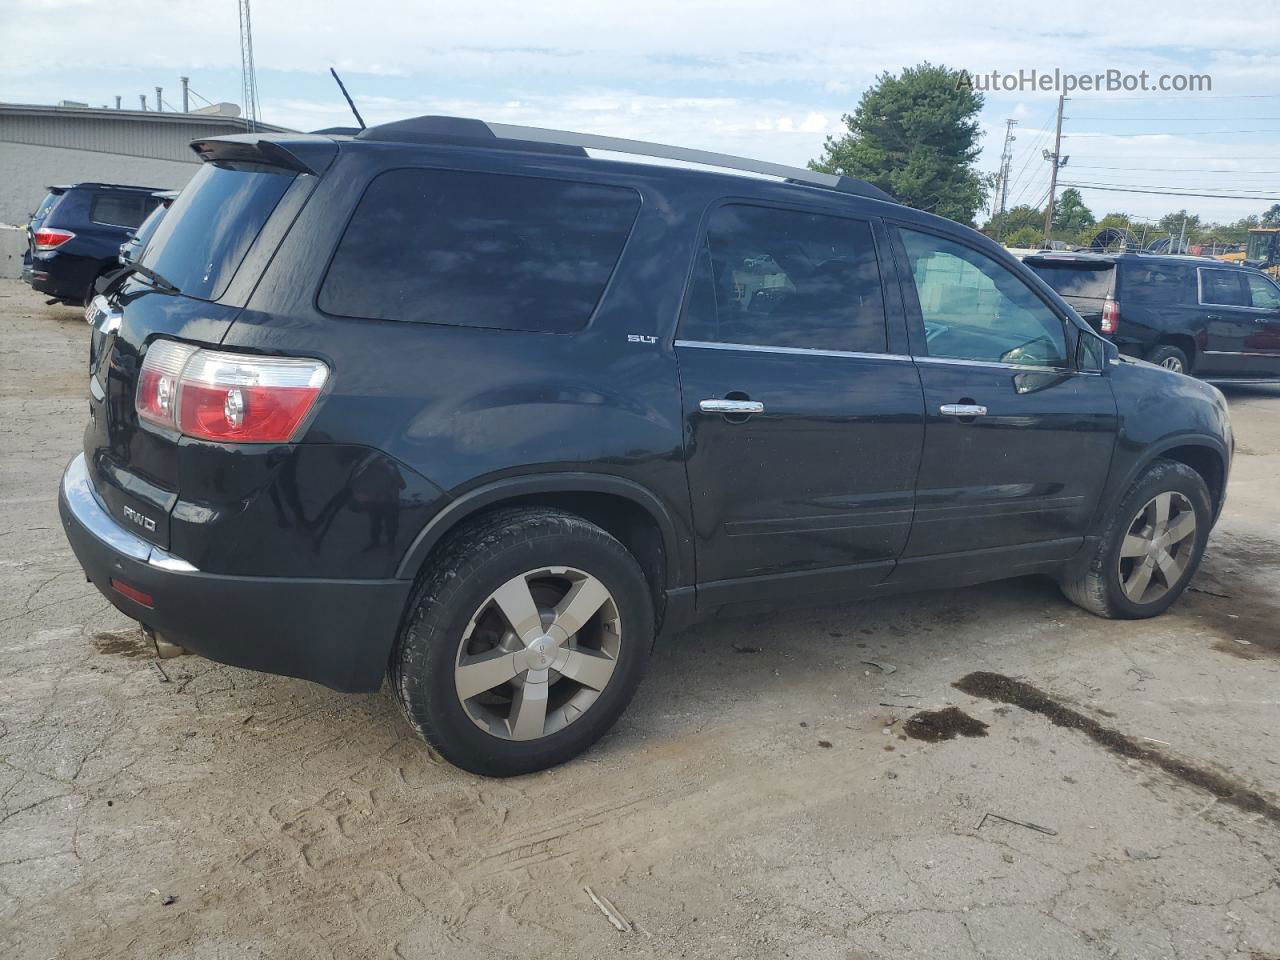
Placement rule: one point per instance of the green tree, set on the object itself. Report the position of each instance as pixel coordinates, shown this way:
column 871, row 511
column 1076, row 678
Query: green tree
column 1070, row 215
column 1026, row 237
column 916, row 136
column 1271, row 218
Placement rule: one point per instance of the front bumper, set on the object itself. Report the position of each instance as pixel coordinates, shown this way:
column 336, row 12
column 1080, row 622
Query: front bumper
column 335, row 632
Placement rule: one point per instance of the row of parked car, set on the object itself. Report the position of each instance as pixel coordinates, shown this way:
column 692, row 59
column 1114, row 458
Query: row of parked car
column 464, row 405
column 83, row 232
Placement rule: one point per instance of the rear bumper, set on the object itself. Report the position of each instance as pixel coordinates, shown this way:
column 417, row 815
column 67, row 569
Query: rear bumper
column 335, row 632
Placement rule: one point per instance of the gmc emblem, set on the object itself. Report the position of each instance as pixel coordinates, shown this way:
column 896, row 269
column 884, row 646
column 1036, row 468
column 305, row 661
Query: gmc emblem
column 146, row 523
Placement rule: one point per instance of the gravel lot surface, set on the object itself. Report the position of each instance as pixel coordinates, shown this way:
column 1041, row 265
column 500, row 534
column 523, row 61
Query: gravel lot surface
column 762, row 798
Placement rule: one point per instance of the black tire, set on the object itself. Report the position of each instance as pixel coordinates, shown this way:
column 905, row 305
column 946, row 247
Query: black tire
column 458, row 579
column 1094, row 582
column 1171, row 358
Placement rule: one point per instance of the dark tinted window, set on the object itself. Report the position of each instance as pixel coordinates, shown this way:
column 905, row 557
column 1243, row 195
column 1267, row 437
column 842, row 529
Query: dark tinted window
column 1157, row 282
column 117, row 209
column 1088, row 281
column 783, row 278
column 479, row 250
column 205, row 234
column 1224, row 288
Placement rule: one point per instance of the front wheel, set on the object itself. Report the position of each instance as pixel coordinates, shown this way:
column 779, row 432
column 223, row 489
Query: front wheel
column 1152, row 545
column 524, row 642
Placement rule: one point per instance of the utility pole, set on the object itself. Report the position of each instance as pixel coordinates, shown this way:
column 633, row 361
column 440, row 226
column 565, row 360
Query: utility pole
column 1006, row 164
column 1057, row 160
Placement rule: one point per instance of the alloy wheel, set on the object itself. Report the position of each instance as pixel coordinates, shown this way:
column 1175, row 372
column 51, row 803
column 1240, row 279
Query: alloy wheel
column 1157, row 548
column 538, row 653
column 1172, row 363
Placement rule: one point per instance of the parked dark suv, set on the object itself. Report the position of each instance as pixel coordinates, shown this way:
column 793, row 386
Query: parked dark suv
column 1219, row 321
column 74, row 236
column 462, row 404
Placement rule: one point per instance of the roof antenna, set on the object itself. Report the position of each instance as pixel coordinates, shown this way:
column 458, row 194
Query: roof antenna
column 350, row 103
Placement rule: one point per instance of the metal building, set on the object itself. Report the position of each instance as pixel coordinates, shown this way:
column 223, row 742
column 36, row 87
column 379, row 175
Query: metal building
column 42, row 145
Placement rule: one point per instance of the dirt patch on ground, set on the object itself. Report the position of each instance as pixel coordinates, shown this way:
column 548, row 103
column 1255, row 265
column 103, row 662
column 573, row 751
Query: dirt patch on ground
column 129, row 645
column 935, row 725
column 993, row 686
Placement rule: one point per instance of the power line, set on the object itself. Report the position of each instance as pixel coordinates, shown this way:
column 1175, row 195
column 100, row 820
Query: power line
column 1032, row 151
column 1243, row 173
column 1201, row 96
column 1167, row 193
column 1170, row 119
column 1170, row 133
column 1168, row 186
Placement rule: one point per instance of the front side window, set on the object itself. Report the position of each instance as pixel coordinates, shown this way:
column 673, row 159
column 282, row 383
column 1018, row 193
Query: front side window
column 1262, row 292
column 785, row 278
column 976, row 309
column 479, row 250
column 1223, row 288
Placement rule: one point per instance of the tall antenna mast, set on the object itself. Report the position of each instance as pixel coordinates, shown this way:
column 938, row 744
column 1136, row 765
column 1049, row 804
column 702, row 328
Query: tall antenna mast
column 248, row 77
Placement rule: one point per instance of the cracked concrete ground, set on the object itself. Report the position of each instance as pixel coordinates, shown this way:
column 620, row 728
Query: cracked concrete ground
column 289, row 821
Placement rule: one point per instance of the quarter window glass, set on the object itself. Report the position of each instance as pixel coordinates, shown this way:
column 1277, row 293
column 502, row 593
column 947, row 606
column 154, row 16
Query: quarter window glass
column 975, row 309
column 479, row 250
column 1223, row 288
column 120, row 211
column 1263, row 293
column 783, row 278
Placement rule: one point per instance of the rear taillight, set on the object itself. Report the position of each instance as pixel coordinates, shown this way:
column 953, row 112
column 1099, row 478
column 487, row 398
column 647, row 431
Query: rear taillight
column 1110, row 316
column 228, row 397
column 49, row 239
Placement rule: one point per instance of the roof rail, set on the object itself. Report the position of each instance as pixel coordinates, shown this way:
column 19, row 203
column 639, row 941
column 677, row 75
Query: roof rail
column 455, row 129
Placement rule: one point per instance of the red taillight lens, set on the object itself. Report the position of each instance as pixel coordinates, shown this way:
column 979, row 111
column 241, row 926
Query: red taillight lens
column 1110, row 316
column 50, row 239
column 228, row 397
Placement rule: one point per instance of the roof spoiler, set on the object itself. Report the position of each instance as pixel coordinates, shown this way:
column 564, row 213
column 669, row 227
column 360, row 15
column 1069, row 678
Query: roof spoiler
column 301, row 154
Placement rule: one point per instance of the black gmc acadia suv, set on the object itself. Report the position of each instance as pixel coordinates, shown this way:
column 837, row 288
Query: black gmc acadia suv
column 463, row 404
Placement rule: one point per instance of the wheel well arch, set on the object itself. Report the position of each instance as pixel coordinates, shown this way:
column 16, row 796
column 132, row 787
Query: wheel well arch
column 1184, row 342
column 626, row 510
column 1207, row 462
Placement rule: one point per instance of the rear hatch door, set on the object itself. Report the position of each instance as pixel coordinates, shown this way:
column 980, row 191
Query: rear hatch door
column 201, row 249
column 1084, row 283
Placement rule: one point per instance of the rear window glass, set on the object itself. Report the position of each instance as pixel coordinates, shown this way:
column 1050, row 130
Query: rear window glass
column 46, row 205
column 1089, row 283
column 117, row 209
column 201, row 240
column 479, row 250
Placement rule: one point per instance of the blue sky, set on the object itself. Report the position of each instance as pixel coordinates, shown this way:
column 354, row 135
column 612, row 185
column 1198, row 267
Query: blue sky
column 767, row 80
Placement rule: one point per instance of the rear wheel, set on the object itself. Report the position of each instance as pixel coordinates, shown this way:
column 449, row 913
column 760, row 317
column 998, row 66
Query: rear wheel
column 1171, row 358
column 524, row 643
column 1152, row 545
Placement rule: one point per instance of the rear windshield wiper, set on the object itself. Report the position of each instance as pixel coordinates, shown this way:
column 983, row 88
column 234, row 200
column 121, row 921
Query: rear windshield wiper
column 159, row 282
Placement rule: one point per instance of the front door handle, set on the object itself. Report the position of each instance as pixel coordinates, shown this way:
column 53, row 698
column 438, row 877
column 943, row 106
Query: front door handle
column 962, row 410
column 716, row 405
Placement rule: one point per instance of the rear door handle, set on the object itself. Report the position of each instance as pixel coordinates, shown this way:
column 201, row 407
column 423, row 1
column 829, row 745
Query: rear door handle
column 962, row 410
column 716, row 405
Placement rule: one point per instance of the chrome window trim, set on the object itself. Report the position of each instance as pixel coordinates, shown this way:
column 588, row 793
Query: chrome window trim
column 1241, row 353
column 998, row 365
column 790, row 351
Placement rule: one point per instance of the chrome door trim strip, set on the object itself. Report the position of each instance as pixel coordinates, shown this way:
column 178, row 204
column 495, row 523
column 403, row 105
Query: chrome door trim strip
column 791, row 351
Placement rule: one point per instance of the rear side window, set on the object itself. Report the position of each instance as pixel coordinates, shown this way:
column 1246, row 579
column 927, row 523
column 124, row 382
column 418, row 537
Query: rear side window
column 1086, row 282
column 479, row 250
column 1263, row 294
column 1156, row 283
column 1223, row 288
column 46, row 205
column 207, row 231
column 117, row 209
column 784, row 278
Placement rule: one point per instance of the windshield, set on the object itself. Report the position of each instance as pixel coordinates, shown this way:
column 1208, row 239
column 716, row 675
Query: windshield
column 199, row 243
column 1089, row 282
